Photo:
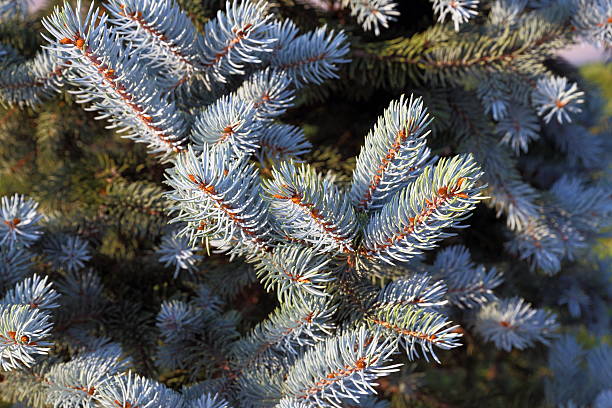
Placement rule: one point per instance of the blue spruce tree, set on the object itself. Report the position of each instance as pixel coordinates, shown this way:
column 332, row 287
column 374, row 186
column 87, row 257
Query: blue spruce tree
column 190, row 218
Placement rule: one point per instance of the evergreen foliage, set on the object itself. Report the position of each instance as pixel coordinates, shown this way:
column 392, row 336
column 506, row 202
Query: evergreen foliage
column 258, row 252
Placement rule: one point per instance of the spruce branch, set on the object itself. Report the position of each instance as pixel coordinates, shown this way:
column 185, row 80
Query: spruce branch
column 15, row 263
column 460, row 11
column 393, row 155
column 513, row 323
column 372, row 14
column 209, row 401
column 555, row 97
column 30, row 82
column 354, row 360
column 469, row 286
column 310, row 207
column 175, row 250
column 160, row 32
column 294, row 272
column 417, row 290
column 219, row 200
column 438, row 56
column 132, row 390
column 14, row 9
column 343, row 260
column 592, row 21
column 19, row 221
column 269, row 91
column 80, row 380
column 518, row 128
column 241, row 35
column 309, row 58
column 68, row 252
column 229, row 123
column 289, row 331
column 415, row 327
column 23, row 334
column 113, row 82
column 283, row 142
column 33, row 292
column 414, row 219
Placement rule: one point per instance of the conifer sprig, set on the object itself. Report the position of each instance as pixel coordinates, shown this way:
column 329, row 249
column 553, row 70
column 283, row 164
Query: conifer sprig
column 294, row 272
column 219, row 199
column 394, row 153
column 19, row 221
column 23, row 335
column 353, row 362
column 113, row 82
column 415, row 218
column 29, row 82
column 309, row 207
column 513, row 323
column 160, row 32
